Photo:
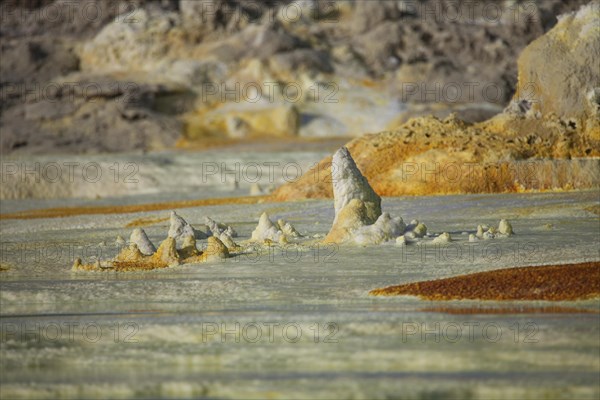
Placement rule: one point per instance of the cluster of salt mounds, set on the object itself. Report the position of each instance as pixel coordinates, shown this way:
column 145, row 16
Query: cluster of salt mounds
column 485, row 232
column 141, row 254
column 358, row 220
column 180, row 246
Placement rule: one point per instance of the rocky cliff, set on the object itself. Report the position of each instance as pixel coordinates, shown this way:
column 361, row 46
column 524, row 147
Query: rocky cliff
column 116, row 76
column 548, row 137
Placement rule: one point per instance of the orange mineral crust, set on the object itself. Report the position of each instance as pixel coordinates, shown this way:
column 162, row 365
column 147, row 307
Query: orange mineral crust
column 549, row 282
column 60, row 212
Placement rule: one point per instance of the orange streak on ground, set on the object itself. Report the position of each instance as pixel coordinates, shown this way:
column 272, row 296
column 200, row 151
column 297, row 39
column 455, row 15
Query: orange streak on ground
column 508, row 310
column 145, row 222
column 131, row 208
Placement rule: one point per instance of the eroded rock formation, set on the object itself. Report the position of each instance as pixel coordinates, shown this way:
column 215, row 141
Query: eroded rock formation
column 139, row 237
column 349, row 184
column 358, row 216
column 266, row 230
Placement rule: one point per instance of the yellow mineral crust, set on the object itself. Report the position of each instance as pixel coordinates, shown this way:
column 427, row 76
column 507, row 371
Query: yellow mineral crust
column 427, row 156
column 215, row 250
column 353, row 216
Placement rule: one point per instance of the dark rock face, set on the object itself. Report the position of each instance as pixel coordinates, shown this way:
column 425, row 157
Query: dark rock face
column 560, row 71
column 33, row 61
column 468, row 44
column 559, row 75
column 90, row 114
column 47, row 108
column 104, row 75
column 302, row 59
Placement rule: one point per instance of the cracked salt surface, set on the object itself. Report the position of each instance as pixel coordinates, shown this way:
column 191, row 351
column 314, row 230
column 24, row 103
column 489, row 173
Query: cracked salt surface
column 352, row 345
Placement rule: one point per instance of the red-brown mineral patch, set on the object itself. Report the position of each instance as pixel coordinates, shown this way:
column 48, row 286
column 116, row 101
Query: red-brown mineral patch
column 549, row 282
